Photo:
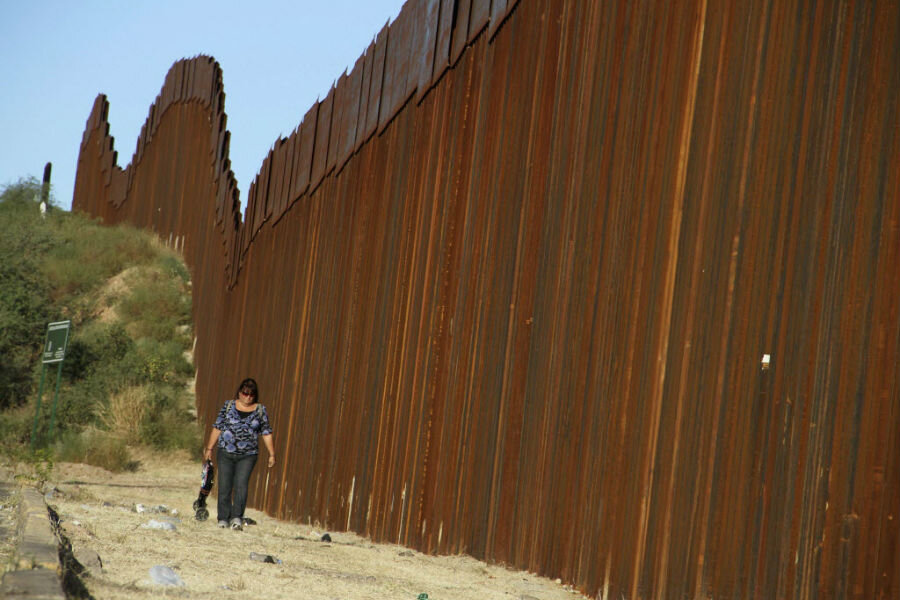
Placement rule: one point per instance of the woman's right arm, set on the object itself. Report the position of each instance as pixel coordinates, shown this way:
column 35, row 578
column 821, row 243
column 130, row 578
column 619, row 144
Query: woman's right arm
column 211, row 444
column 217, row 427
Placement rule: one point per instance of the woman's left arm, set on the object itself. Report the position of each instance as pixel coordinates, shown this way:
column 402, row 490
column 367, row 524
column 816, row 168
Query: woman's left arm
column 267, row 440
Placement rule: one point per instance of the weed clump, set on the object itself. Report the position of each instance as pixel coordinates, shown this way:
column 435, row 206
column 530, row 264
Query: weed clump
column 95, row 447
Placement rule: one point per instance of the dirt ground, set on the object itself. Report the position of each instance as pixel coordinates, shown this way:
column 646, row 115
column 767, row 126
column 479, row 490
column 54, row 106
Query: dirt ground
column 97, row 513
column 8, row 514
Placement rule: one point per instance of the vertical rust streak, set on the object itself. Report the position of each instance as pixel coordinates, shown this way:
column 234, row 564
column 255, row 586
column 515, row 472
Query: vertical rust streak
column 674, row 238
column 694, row 287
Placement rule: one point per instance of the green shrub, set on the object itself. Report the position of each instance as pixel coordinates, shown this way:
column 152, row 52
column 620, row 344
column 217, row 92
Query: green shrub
column 172, row 265
column 162, row 362
column 15, row 429
column 94, row 347
column 167, row 424
column 156, row 306
column 95, row 447
column 25, row 305
column 77, row 405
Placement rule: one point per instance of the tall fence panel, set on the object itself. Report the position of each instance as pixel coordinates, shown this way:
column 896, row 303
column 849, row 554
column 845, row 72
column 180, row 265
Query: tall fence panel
column 604, row 290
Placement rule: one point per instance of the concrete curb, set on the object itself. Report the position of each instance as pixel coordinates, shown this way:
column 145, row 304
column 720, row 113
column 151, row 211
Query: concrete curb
column 36, row 571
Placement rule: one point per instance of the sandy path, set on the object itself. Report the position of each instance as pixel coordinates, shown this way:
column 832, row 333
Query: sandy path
column 97, row 514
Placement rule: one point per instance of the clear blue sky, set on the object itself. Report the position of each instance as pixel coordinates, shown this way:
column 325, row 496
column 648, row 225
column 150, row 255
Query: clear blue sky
column 277, row 58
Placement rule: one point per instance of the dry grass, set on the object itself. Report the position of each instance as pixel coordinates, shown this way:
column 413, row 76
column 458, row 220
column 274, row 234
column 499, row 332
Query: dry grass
column 96, row 508
column 9, row 507
column 125, row 413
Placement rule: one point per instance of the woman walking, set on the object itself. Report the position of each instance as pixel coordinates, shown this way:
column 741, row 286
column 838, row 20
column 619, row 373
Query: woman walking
column 235, row 434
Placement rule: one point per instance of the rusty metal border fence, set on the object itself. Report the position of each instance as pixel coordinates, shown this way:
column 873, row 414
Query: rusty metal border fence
column 508, row 288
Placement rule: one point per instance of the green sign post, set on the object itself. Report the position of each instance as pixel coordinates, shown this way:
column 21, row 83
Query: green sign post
column 54, row 352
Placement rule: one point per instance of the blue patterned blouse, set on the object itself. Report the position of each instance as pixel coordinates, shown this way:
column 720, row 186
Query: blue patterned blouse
column 240, row 434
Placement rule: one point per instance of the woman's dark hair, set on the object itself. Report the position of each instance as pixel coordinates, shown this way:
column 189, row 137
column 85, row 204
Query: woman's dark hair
column 248, row 384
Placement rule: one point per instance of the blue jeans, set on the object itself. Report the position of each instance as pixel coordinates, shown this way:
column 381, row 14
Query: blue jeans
column 234, row 476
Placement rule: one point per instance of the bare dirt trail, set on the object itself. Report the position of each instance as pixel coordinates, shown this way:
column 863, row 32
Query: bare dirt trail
column 97, row 514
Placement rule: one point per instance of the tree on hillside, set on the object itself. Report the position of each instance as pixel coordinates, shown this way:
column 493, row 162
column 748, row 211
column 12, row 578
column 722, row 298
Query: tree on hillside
column 24, row 295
